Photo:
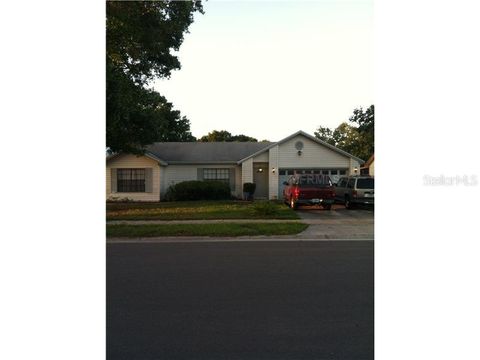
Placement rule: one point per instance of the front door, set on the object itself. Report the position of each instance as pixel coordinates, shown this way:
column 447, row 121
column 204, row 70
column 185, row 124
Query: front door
column 260, row 178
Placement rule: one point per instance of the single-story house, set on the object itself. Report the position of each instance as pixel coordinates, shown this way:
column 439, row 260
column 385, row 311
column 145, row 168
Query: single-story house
column 267, row 164
column 368, row 168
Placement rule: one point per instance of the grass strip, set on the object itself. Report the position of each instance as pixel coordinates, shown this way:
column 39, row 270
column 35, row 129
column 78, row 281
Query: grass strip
column 246, row 229
column 199, row 210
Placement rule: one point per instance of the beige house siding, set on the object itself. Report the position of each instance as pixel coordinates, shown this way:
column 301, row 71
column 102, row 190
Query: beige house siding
column 314, row 155
column 263, row 157
column 273, row 179
column 247, row 171
column 371, row 169
column 354, row 165
column 133, row 162
column 173, row 174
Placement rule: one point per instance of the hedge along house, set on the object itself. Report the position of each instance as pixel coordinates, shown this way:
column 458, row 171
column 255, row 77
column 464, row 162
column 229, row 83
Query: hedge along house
column 268, row 165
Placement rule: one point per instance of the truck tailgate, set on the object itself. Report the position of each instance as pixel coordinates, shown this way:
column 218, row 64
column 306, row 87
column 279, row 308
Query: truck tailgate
column 316, row 193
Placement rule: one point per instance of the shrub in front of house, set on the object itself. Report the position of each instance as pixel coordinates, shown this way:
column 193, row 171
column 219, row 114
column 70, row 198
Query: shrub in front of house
column 118, row 199
column 198, row 190
column 249, row 190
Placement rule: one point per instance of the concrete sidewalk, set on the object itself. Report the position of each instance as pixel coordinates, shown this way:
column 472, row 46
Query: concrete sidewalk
column 211, row 221
column 211, row 239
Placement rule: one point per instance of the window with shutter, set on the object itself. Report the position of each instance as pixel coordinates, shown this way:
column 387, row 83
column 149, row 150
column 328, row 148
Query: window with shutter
column 130, row 180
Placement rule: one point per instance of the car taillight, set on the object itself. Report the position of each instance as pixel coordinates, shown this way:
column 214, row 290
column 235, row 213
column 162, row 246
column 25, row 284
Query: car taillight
column 354, row 193
column 296, row 191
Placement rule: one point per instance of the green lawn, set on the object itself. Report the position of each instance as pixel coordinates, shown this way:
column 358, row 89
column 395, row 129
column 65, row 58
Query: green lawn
column 199, row 210
column 246, row 229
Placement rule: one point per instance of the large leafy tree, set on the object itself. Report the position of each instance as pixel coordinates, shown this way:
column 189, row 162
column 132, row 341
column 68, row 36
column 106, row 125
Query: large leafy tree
column 347, row 138
column 355, row 137
column 325, row 134
column 243, row 138
column 366, row 128
column 223, row 135
column 216, row 135
column 141, row 40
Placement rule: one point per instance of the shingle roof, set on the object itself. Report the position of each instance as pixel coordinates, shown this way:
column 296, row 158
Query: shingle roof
column 205, row 152
column 219, row 152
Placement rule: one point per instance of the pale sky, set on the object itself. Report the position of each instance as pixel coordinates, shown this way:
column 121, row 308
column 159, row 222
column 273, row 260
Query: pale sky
column 268, row 69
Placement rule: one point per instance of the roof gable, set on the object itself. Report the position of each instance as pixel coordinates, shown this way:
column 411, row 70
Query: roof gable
column 308, row 136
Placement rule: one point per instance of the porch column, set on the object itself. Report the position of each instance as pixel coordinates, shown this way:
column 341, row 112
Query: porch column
column 273, row 173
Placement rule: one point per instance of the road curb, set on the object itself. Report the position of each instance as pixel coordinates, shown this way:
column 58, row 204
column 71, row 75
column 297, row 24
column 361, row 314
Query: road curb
column 201, row 239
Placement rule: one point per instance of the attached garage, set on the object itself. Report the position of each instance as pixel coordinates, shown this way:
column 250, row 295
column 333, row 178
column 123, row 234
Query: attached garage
column 301, row 153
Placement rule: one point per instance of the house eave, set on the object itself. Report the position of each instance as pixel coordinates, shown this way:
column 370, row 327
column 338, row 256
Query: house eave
column 146, row 154
column 202, row 163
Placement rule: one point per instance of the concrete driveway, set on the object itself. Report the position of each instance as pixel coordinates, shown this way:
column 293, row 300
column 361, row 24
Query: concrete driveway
column 338, row 223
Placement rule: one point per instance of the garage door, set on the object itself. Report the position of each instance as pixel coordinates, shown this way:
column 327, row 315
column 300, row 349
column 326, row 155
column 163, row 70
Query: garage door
column 284, row 175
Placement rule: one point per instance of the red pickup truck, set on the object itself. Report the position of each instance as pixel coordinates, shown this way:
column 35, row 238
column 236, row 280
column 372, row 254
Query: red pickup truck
column 309, row 189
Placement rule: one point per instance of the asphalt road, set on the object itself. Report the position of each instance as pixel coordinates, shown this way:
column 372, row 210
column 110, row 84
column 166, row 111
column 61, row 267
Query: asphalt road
column 240, row 300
